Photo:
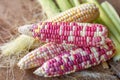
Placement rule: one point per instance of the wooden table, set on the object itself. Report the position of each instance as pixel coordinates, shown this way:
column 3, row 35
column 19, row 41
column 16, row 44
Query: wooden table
column 18, row 12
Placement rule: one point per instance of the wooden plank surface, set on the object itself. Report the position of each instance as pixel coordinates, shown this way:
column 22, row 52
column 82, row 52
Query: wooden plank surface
column 18, row 12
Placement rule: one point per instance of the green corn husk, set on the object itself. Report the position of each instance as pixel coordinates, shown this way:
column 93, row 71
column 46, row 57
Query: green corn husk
column 75, row 2
column 63, row 4
column 49, row 7
column 117, row 44
column 84, row 1
column 111, row 12
column 104, row 18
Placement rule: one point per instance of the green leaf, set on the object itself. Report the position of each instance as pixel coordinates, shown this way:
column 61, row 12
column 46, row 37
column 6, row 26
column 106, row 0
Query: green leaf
column 63, row 4
column 111, row 12
column 49, row 7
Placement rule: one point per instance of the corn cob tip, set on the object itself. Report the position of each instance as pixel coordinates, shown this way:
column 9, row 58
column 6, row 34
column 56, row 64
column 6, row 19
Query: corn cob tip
column 38, row 72
column 21, row 64
column 25, row 29
column 116, row 58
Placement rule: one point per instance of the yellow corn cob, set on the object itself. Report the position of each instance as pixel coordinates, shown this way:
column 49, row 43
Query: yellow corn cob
column 82, row 13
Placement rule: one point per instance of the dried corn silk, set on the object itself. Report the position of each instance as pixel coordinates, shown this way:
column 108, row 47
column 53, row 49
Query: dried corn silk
column 18, row 45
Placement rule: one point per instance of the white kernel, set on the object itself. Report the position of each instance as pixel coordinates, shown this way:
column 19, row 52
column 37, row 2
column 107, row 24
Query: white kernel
column 105, row 46
column 83, row 64
column 74, row 28
column 109, row 53
column 102, row 58
column 71, row 33
column 69, row 38
column 46, row 26
column 74, row 68
column 102, row 40
column 84, row 53
column 71, row 57
column 60, row 32
column 38, row 52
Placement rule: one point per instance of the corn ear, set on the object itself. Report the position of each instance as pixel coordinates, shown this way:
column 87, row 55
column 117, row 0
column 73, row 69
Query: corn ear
column 84, row 13
column 82, row 34
column 76, row 60
column 40, row 55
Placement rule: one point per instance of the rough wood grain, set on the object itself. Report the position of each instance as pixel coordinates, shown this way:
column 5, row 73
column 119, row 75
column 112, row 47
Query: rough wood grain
column 18, row 12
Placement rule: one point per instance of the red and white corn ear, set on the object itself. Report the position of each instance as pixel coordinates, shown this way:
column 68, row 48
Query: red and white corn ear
column 40, row 55
column 83, row 13
column 82, row 34
column 76, row 60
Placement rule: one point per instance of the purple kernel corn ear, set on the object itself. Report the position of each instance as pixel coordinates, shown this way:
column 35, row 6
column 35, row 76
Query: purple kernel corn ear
column 76, row 60
column 80, row 34
column 40, row 55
